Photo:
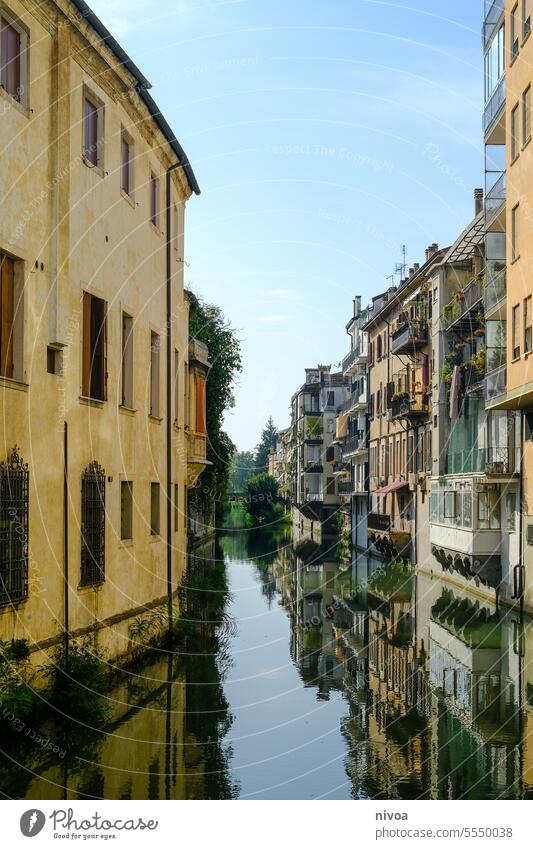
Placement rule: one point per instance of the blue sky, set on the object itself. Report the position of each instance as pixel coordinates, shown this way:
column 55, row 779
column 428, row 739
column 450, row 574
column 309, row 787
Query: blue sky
column 324, row 135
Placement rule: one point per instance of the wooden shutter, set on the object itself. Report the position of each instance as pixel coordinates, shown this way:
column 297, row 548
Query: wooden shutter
column 125, row 166
column 10, row 54
column 90, row 131
column 7, row 271
column 200, row 404
column 86, row 346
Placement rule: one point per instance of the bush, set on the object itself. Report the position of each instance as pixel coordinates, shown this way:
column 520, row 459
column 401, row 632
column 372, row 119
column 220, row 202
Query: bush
column 78, row 683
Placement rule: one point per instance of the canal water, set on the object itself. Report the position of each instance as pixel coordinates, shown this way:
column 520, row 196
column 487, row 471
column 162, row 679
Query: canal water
column 320, row 679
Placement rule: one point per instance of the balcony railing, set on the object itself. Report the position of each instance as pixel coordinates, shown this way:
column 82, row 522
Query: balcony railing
column 466, row 300
column 409, row 337
column 353, row 444
column 350, row 358
column 357, row 400
column 495, row 291
column 345, row 487
column 494, row 105
column 495, row 198
column 472, row 378
column 378, row 522
column 485, row 461
column 405, row 407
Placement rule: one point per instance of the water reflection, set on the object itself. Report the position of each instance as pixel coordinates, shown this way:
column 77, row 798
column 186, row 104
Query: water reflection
column 307, row 677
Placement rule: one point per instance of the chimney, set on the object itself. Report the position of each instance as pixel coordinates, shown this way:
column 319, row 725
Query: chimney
column 357, row 306
column 431, row 250
column 478, row 201
column 416, row 266
column 411, row 271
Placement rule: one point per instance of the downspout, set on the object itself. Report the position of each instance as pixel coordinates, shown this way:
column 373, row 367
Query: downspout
column 65, row 546
column 169, row 389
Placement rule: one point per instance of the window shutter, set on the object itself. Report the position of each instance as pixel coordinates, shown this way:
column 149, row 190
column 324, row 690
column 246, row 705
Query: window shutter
column 103, row 331
column 86, row 346
column 200, row 404
column 6, row 329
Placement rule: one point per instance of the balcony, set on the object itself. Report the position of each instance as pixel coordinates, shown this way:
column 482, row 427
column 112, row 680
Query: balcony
column 351, row 359
column 496, row 384
column 353, row 445
column 409, row 337
column 472, row 378
column 196, row 457
column 495, row 463
column 463, row 307
column 404, row 407
column 494, row 10
column 495, row 198
column 379, row 522
column 494, row 105
column 495, row 296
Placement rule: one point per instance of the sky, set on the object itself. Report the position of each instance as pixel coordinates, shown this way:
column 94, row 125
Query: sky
column 324, row 134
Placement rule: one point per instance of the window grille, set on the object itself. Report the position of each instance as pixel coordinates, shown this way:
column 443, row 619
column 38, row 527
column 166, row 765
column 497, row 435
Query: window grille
column 92, row 525
column 14, row 547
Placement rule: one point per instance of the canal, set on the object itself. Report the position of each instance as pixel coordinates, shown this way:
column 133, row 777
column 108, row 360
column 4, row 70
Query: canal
column 320, row 680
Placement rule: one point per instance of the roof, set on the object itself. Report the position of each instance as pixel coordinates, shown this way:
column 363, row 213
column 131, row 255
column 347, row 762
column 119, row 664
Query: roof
column 142, row 86
column 470, row 238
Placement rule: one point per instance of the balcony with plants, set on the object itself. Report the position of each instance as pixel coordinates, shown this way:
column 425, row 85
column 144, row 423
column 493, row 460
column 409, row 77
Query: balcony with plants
column 411, row 331
column 410, row 397
column 464, row 311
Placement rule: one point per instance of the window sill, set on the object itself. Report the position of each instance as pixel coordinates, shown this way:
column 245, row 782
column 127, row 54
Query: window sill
column 177, row 427
column 526, row 143
column 10, row 100
column 515, row 259
column 12, row 383
column 154, row 538
column 126, row 543
column 91, row 166
column 129, row 198
column 525, row 38
column 84, row 587
column 514, row 57
column 91, row 402
column 127, row 411
column 155, row 229
column 155, row 419
column 514, row 159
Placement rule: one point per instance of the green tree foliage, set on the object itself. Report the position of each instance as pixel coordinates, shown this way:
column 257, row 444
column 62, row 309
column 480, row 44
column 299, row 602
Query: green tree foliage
column 262, row 498
column 242, row 467
column 208, row 324
column 267, row 441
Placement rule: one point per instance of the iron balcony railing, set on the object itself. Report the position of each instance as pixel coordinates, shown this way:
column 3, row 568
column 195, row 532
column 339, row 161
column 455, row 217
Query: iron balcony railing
column 502, row 461
column 350, row 358
column 345, row 487
column 496, row 383
column 495, row 291
column 378, row 522
column 467, row 300
column 405, row 407
column 353, row 444
column 409, row 336
column 494, row 105
column 355, row 400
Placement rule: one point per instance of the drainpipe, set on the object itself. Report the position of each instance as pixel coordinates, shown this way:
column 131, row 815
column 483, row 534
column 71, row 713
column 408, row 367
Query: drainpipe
column 65, row 545
column 169, row 387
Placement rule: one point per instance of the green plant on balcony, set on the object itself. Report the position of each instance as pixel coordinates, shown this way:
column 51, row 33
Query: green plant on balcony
column 314, row 429
column 478, row 361
column 400, row 396
column 446, row 373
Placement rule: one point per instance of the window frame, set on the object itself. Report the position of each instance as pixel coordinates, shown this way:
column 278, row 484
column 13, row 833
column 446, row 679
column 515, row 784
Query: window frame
column 526, row 116
column 527, row 316
column 126, row 139
column 515, row 233
column 126, row 484
column 89, row 96
column 155, row 201
column 127, row 371
column 23, row 99
column 155, row 508
column 155, row 375
column 88, row 350
column 515, row 133
column 515, row 332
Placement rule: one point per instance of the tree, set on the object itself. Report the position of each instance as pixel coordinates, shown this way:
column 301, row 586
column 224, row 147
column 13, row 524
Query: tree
column 208, row 324
column 268, row 440
column 242, row 467
column 262, row 498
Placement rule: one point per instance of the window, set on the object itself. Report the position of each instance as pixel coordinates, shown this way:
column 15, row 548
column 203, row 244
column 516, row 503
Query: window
column 154, row 200
column 14, row 58
column 94, row 342
column 514, row 133
column 450, row 510
column 514, row 32
column 126, row 510
column 155, row 509
column 331, row 399
column 200, row 404
column 176, row 386
column 488, row 507
column 526, row 115
column 379, row 344
column 515, row 248
column 510, row 510
column 53, row 361
column 176, row 507
column 7, row 322
column 330, row 454
column 330, row 425
column 93, row 120
column 127, row 361
column 126, row 165
column 527, row 325
column 516, row 331
column 14, row 514
column 154, row 373
column 526, row 19
column 92, row 525
column 494, row 63
column 330, row 486
column 378, row 402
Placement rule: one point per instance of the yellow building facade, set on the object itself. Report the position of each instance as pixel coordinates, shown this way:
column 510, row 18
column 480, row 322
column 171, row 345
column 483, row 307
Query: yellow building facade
column 99, row 420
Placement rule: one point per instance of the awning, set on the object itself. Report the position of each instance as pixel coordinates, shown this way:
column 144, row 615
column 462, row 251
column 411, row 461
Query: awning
column 392, row 487
column 342, row 426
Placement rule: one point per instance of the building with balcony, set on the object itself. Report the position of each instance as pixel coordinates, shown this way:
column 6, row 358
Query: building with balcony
column 476, row 463
column 352, row 430
column 95, row 356
column 315, row 455
column 400, row 414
